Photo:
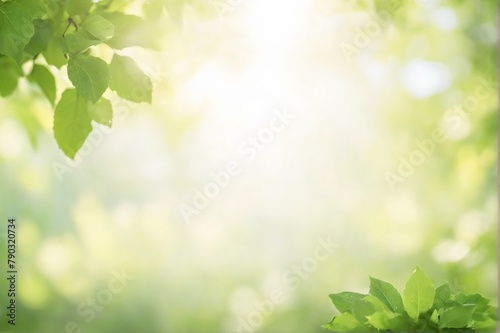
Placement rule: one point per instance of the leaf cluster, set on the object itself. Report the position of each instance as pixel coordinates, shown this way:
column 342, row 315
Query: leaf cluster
column 421, row 308
column 39, row 36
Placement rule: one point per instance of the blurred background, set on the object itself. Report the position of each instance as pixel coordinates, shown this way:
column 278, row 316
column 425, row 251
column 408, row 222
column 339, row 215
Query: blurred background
column 385, row 159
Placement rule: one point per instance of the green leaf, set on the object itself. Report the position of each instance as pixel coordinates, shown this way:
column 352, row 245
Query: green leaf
column 89, row 75
column 45, row 80
column 346, row 322
column 44, row 30
column 443, row 294
column 456, row 317
column 99, row 27
column 16, row 29
column 77, row 42
column 382, row 320
column 343, row 301
column 131, row 30
column 36, row 8
column 361, row 309
column 101, row 112
column 471, row 299
column 486, row 325
column 379, row 306
column 71, row 122
column 387, row 294
column 78, row 7
column 418, row 295
column 434, row 317
column 129, row 81
column 11, row 72
column 53, row 54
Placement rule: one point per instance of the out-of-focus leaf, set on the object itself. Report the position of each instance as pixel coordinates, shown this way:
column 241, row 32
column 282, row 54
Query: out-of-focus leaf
column 99, row 27
column 45, row 80
column 129, row 81
column 101, row 112
column 10, row 74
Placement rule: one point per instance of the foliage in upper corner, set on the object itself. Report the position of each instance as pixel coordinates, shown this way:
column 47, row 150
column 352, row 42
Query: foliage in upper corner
column 421, row 308
column 64, row 32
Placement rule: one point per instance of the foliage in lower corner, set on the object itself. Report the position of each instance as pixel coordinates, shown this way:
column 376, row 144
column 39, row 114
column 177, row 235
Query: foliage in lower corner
column 421, row 308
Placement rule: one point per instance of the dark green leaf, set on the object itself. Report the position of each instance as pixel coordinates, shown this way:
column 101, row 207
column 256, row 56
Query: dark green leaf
column 418, row 295
column 45, row 80
column 387, row 294
column 71, row 122
column 89, row 75
column 343, row 301
column 11, row 72
column 129, row 81
column 38, row 43
column 16, row 29
column 101, row 112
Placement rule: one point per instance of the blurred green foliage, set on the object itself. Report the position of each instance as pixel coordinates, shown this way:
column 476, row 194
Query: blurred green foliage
column 115, row 207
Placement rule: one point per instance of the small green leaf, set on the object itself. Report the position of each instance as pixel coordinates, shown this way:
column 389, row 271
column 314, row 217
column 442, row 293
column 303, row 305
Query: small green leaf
column 345, row 322
column 11, row 72
column 434, row 317
column 456, row 317
column 361, row 309
column 89, row 75
column 418, row 295
column 343, row 301
column 99, row 27
column 71, row 122
column 16, row 29
column 78, row 7
column 129, row 81
column 45, row 80
column 387, row 294
column 101, row 112
column 443, row 294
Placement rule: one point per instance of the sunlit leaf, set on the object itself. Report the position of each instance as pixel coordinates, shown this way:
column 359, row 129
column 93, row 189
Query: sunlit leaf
column 72, row 123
